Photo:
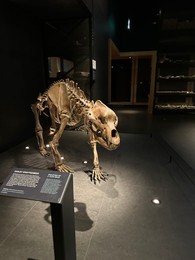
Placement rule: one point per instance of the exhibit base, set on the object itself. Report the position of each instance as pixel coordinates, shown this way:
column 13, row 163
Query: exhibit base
column 57, row 189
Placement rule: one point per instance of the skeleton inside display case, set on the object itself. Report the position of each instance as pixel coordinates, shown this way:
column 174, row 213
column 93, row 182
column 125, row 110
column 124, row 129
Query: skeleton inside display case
column 67, row 105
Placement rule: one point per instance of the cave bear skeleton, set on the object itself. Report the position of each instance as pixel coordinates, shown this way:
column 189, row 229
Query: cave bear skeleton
column 67, row 106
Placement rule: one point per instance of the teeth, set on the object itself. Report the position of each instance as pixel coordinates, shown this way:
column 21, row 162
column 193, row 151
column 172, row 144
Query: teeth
column 94, row 128
column 105, row 139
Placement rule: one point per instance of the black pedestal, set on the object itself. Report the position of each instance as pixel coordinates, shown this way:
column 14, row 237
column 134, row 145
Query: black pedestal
column 48, row 186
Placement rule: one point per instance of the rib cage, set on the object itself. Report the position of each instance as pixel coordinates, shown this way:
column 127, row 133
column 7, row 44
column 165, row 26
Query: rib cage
column 78, row 104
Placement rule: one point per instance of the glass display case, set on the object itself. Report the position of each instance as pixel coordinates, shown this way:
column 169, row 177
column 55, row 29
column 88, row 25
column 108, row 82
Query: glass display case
column 175, row 73
column 131, row 77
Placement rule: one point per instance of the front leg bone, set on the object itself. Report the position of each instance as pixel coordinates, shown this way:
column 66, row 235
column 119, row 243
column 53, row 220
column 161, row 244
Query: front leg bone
column 97, row 174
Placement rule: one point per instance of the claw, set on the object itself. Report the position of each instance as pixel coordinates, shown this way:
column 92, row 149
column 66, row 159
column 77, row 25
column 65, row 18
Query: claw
column 64, row 168
column 44, row 152
column 97, row 175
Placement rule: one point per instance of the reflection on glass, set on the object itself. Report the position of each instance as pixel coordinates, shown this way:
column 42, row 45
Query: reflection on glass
column 121, row 80
column 143, row 80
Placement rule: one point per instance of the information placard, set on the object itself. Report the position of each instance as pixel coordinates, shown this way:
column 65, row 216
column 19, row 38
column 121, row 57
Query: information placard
column 35, row 184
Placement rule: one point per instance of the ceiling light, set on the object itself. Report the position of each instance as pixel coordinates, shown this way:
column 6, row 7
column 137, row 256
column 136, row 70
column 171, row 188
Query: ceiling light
column 128, row 24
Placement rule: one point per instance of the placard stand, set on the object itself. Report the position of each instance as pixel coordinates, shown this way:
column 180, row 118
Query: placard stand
column 63, row 226
column 48, row 186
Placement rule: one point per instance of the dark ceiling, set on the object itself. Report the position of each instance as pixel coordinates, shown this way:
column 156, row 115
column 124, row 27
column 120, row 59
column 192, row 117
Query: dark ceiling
column 54, row 9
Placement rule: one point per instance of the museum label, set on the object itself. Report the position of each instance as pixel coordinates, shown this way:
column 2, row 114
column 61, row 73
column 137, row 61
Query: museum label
column 35, row 184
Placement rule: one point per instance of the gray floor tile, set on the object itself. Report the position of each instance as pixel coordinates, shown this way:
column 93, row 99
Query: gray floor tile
column 114, row 219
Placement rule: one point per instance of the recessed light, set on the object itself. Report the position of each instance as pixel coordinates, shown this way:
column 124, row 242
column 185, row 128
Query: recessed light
column 156, row 201
column 27, row 147
column 85, row 162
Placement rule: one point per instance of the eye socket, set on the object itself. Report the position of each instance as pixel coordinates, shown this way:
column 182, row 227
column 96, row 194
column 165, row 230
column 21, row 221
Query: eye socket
column 95, row 129
column 99, row 132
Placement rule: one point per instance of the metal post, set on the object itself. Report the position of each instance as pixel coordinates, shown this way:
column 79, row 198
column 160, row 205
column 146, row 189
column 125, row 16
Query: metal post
column 63, row 225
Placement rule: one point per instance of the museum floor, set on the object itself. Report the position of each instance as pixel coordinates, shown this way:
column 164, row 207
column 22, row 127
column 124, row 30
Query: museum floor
column 115, row 219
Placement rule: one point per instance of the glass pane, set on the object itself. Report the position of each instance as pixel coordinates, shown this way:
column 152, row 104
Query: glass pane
column 121, row 80
column 143, row 80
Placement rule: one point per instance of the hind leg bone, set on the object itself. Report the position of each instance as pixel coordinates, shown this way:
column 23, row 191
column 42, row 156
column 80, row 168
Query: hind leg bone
column 59, row 165
column 39, row 131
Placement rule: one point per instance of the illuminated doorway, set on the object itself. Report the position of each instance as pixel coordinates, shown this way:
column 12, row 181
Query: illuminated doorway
column 131, row 77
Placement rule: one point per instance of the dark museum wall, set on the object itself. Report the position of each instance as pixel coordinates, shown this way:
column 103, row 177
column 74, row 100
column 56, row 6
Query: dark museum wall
column 142, row 30
column 22, row 73
column 100, row 50
column 23, row 64
column 100, row 34
column 24, row 68
column 144, row 22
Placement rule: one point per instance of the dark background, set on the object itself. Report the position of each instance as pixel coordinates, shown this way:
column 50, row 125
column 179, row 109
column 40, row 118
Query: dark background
column 25, row 45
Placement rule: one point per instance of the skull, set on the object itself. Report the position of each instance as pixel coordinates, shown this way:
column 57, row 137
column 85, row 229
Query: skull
column 102, row 121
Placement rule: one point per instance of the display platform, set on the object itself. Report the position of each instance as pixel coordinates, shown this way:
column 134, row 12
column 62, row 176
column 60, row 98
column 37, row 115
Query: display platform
column 114, row 219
